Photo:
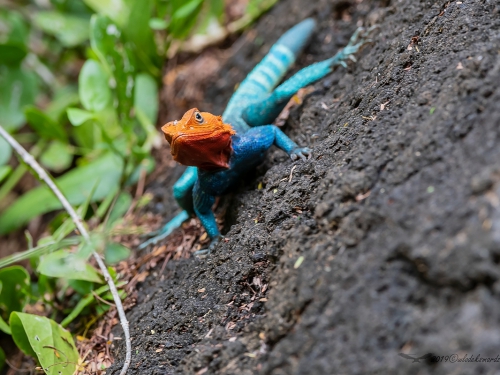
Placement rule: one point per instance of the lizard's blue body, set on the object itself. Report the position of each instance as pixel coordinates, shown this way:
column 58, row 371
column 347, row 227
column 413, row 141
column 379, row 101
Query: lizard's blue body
column 251, row 109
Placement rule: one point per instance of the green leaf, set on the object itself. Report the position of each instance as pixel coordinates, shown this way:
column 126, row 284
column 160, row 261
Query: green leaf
column 13, row 37
column 39, row 250
column 15, row 288
column 115, row 253
column 3, row 325
column 104, row 174
column 187, row 9
column 82, row 287
column 79, row 116
column 63, row 98
column 67, row 265
column 93, row 88
column 84, row 302
column 158, row 24
column 118, row 58
column 5, row 328
column 5, row 151
column 184, row 17
column 217, row 8
column 117, row 10
column 77, row 310
column 46, row 341
column 146, row 96
column 137, row 31
column 43, row 125
column 84, row 135
column 18, row 89
column 4, row 172
column 57, row 157
column 69, row 30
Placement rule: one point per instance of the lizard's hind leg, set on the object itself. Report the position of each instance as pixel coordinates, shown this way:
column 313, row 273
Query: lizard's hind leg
column 183, row 193
column 267, row 109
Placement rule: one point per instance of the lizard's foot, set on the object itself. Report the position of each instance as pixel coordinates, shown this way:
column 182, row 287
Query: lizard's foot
column 165, row 230
column 357, row 40
column 204, row 252
column 301, row 152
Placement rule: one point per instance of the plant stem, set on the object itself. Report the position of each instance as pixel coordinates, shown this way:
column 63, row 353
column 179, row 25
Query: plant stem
column 30, row 160
column 21, row 169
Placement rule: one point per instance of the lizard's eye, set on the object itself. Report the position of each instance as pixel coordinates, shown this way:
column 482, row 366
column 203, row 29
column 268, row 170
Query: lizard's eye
column 199, row 118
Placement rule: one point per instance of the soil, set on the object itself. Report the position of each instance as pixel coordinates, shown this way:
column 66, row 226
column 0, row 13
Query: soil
column 387, row 241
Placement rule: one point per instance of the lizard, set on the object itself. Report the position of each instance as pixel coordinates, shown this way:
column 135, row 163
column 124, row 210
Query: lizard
column 218, row 150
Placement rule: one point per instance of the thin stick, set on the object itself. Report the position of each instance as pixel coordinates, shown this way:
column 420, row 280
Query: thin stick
column 30, row 160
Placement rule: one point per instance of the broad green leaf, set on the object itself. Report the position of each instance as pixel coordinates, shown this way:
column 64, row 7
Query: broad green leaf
column 184, row 17
column 71, row 6
column 93, row 88
column 84, row 135
column 64, row 264
column 158, row 24
column 103, row 174
column 13, row 37
column 187, row 9
column 118, row 58
column 137, row 31
column 115, row 253
column 117, row 10
column 4, row 172
column 15, row 287
column 57, row 157
column 146, row 96
column 18, row 89
column 79, row 116
column 5, row 151
column 70, row 30
column 46, row 341
column 137, row 28
column 43, row 125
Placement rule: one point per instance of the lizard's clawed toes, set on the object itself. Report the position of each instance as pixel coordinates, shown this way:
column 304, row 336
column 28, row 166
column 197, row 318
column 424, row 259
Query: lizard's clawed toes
column 304, row 153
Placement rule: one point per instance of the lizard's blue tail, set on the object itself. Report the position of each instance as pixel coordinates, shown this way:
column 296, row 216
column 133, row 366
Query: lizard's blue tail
column 269, row 72
column 298, row 36
column 273, row 67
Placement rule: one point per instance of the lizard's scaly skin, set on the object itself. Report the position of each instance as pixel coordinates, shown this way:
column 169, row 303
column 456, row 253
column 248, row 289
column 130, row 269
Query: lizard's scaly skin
column 213, row 170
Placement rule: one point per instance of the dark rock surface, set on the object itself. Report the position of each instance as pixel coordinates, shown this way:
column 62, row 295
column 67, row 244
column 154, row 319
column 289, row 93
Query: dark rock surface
column 396, row 218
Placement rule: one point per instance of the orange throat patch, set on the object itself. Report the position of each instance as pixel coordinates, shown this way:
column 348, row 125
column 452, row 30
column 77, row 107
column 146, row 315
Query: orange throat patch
column 200, row 139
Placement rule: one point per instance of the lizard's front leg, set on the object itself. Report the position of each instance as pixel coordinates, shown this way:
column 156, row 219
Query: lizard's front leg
column 203, row 203
column 257, row 140
column 183, row 195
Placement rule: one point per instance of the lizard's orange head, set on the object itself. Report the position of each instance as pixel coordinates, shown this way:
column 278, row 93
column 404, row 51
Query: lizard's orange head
column 200, row 139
